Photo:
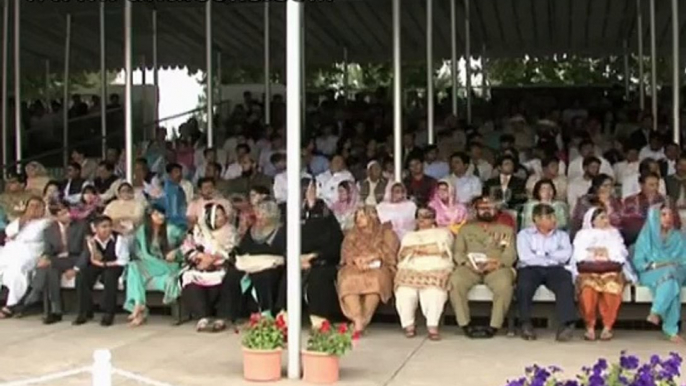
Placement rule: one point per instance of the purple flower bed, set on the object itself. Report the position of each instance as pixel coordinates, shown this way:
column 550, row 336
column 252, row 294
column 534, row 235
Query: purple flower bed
column 629, row 371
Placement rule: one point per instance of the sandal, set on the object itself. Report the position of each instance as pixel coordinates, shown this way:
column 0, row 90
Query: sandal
column 218, row 326
column 6, row 313
column 434, row 336
column 203, row 325
column 677, row 339
column 606, row 335
column 590, row 335
column 410, row 332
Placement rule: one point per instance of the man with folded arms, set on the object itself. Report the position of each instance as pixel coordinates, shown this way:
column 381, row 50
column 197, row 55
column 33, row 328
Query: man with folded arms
column 544, row 255
column 484, row 252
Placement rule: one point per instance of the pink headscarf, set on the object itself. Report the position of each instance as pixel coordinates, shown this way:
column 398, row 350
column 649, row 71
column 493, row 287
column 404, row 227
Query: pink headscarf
column 449, row 213
column 341, row 207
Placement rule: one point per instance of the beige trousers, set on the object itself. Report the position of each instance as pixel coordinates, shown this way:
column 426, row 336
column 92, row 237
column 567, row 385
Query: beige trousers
column 431, row 299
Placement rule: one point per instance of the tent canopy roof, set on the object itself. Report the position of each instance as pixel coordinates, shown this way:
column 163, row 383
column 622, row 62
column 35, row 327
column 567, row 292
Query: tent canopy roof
column 500, row 28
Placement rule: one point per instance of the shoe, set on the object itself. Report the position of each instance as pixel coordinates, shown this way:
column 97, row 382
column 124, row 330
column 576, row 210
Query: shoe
column 107, row 320
column 490, row 332
column 81, row 319
column 52, row 319
column 565, row 334
column 528, row 332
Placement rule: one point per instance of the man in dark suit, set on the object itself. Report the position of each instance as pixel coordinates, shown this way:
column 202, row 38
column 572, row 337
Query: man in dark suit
column 73, row 184
column 506, row 186
column 108, row 254
column 65, row 245
column 641, row 136
column 676, row 184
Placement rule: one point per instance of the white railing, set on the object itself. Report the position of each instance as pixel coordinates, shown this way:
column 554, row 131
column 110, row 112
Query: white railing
column 101, row 373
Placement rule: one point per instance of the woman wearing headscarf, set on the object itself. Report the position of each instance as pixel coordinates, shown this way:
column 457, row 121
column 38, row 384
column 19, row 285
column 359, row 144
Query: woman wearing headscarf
column 88, row 206
column 544, row 192
column 601, row 194
column 126, row 211
column 425, row 262
column 156, row 263
column 206, row 251
column 261, row 256
column 367, row 266
column 346, row 204
column 397, row 209
column 320, row 255
column 20, row 254
column 660, row 263
column 36, row 177
column 601, row 268
column 245, row 209
column 448, row 210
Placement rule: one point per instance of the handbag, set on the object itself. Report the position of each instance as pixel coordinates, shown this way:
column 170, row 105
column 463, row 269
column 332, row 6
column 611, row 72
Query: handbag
column 598, row 266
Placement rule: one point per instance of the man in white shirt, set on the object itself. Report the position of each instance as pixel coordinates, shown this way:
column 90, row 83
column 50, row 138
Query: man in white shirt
column 586, row 149
column 672, row 155
column 654, row 149
column 579, row 186
column 234, row 169
column 327, row 143
column 209, row 156
column 327, row 182
column 631, row 184
column 467, row 186
column 479, row 167
column 281, row 185
column 628, row 167
column 265, row 162
column 434, row 167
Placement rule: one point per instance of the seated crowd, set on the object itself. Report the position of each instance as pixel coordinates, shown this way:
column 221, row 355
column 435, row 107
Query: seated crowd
column 205, row 226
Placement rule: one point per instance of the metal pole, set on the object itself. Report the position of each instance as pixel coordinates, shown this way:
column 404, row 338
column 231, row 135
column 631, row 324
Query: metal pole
column 453, row 55
column 429, row 71
column 218, row 70
column 17, row 82
column 468, row 60
column 267, row 68
column 653, row 65
column 303, row 75
column 294, row 59
column 103, row 82
column 128, row 93
column 65, row 92
column 210, row 75
column 5, row 54
column 676, row 84
column 346, row 78
column 626, row 71
column 155, row 73
column 641, row 66
column 46, row 93
column 397, row 95
column 484, row 73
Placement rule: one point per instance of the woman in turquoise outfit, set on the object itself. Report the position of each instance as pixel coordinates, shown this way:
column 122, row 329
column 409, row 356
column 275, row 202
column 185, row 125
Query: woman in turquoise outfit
column 156, row 264
column 660, row 260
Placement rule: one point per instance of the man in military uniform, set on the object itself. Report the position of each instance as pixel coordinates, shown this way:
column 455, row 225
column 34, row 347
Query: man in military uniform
column 13, row 199
column 484, row 253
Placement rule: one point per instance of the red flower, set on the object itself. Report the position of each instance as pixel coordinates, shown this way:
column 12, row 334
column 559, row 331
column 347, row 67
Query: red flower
column 280, row 322
column 325, row 327
column 343, row 328
column 254, row 319
column 356, row 335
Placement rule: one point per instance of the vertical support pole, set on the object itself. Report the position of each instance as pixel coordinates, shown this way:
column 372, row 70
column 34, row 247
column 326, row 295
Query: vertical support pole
column 128, row 90
column 17, row 82
column 484, row 72
column 65, row 92
column 294, row 59
column 103, row 82
column 430, row 71
column 46, row 93
column 627, row 74
column 346, row 78
column 155, row 74
column 303, row 69
column 676, row 68
column 210, row 74
column 5, row 57
column 397, row 95
column 653, row 65
column 641, row 56
column 453, row 55
column 219, row 101
column 267, row 67
column 101, row 372
column 468, row 59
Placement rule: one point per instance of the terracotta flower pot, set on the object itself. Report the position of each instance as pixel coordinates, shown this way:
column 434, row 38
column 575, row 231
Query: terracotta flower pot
column 261, row 365
column 320, row 367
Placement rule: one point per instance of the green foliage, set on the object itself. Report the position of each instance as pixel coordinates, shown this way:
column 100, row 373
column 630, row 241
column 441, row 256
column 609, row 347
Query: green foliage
column 331, row 341
column 265, row 333
column 38, row 87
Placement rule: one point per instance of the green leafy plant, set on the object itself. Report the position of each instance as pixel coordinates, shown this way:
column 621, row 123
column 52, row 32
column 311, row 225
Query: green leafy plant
column 331, row 341
column 265, row 333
